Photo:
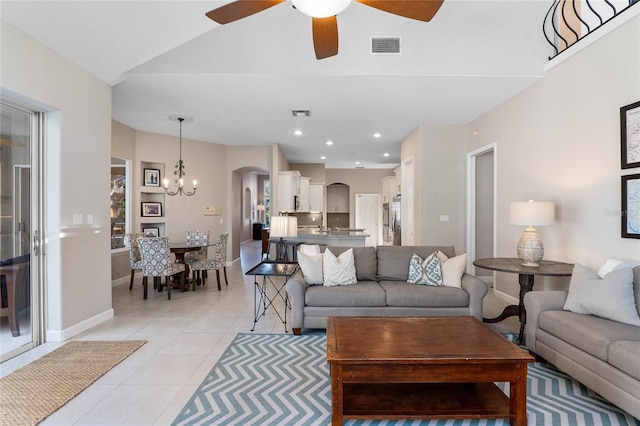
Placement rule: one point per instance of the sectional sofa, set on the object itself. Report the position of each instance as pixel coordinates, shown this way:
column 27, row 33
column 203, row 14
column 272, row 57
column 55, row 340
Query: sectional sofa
column 602, row 354
column 382, row 290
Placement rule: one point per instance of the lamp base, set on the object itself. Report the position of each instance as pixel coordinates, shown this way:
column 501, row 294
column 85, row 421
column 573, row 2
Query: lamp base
column 530, row 248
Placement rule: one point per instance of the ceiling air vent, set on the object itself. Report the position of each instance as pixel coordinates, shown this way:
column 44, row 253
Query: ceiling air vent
column 301, row 113
column 385, row 45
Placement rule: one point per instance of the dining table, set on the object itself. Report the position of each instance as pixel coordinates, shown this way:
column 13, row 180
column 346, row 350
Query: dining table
column 179, row 249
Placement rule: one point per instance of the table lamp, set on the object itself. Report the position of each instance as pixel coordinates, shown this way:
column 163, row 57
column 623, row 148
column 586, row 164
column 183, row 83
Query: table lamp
column 530, row 214
column 260, row 211
column 283, row 226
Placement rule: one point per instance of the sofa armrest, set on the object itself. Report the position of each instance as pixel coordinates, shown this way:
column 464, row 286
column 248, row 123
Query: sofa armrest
column 536, row 302
column 296, row 288
column 477, row 289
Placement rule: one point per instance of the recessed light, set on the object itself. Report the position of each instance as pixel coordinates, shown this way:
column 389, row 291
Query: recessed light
column 323, row 158
column 377, row 135
column 357, row 162
column 386, row 154
column 329, row 142
column 298, row 132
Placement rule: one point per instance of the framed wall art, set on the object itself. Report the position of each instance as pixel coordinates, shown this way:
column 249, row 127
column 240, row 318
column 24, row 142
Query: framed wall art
column 151, row 177
column 151, row 231
column 151, row 209
column 630, row 135
column 631, row 206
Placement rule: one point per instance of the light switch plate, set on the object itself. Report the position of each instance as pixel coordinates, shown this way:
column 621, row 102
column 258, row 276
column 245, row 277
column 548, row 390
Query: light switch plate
column 77, row 218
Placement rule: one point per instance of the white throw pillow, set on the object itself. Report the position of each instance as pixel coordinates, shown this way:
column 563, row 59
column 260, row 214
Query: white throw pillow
column 608, row 266
column 339, row 270
column 613, row 264
column 309, row 248
column 452, row 269
column 311, row 266
column 611, row 297
column 425, row 271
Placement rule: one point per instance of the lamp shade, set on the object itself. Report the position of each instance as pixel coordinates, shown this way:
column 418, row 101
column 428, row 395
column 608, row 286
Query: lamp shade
column 531, row 213
column 283, row 226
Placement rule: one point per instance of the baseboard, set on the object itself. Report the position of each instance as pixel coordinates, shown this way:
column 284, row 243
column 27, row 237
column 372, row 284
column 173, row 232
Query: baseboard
column 74, row 330
column 120, row 281
column 506, row 297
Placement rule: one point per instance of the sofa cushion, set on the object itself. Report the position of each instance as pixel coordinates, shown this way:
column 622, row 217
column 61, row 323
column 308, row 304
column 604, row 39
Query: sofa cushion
column 364, row 293
column 393, row 261
column 340, row 270
column 412, row 295
column 365, row 259
column 587, row 332
column 425, row 271
column 452, row 269
column 624, row 355
column 611, row 297
column 311, row 267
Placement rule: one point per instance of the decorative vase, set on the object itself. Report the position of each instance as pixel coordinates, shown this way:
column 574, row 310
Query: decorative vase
column 530, row 248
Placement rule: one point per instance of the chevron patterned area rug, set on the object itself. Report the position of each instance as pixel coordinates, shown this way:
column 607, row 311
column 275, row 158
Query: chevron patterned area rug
column 276, row 379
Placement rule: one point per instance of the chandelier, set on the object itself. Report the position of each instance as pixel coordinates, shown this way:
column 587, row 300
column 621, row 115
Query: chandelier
column 179, row 168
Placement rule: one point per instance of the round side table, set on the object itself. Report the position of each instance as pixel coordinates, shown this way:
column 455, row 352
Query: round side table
column 526, row 275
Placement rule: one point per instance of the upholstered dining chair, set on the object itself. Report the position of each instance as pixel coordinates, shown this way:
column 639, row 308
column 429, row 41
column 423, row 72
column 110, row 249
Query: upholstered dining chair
column 131, row 242
column 156, row 262
column 218, row 262
column 197, row 239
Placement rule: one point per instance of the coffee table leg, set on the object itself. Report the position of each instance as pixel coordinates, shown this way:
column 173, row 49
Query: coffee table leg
column 518, row 396
column 336, row 395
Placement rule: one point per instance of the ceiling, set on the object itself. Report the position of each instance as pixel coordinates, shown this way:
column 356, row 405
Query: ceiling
column 240, row 81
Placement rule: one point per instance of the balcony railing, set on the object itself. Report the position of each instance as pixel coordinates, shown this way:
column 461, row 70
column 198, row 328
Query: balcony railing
column 569, row 21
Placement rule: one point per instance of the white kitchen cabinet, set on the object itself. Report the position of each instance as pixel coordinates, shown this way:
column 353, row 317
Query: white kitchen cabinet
column 304, row 194
column 388, row 188
column 288, row 191
column 337, row 198
column 316, row 197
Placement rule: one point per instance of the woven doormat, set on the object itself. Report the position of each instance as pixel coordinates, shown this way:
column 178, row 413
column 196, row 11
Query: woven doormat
column 31, row 394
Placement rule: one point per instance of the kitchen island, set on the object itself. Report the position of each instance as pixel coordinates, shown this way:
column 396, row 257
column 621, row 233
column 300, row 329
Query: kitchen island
column 342, row 238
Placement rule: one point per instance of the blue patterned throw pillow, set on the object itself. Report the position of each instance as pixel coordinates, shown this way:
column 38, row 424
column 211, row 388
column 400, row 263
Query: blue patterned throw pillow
column 426, row 272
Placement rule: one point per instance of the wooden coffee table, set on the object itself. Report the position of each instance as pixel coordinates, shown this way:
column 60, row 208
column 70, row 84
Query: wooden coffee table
column 423, row 367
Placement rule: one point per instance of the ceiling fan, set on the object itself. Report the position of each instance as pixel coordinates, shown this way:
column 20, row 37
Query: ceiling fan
column 323, row 12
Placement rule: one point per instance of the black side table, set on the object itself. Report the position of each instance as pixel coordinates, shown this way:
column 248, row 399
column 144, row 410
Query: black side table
column 261, row 299
column 525, row 278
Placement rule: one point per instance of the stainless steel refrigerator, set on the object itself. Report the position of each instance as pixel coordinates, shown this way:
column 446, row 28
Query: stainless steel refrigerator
column 396, row 224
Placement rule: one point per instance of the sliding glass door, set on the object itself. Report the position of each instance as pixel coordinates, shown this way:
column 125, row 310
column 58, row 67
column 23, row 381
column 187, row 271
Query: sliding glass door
column 20, row 225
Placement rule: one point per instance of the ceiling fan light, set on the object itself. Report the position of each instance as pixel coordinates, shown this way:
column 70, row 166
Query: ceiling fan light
column 321, row 8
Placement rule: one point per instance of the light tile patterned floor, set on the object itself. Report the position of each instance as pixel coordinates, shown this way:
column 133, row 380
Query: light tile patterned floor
column 185, row 335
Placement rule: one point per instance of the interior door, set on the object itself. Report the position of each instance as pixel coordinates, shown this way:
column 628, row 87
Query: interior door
column 367, row 217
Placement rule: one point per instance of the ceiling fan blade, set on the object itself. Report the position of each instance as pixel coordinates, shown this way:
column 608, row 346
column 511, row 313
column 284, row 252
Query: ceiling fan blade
column 240, row 9
column 422, row 10
column 325, row 36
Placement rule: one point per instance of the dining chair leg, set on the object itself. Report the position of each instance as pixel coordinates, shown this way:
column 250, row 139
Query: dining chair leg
column 168, row 287
column 226, row 281
column 218, row 278
column 131, row 282
column 144, row 285
column 194, row 278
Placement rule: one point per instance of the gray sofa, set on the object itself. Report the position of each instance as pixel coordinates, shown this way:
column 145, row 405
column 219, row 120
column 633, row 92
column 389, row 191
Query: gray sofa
column 603, row 355
column 382, row 290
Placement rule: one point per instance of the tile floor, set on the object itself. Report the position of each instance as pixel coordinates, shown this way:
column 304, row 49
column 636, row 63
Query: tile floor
column 185, row 337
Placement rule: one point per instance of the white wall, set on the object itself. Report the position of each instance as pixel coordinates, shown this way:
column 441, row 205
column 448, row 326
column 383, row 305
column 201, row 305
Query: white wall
column 438, row 154
column 203, row 161
column 559, row 141
column 78, row 276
